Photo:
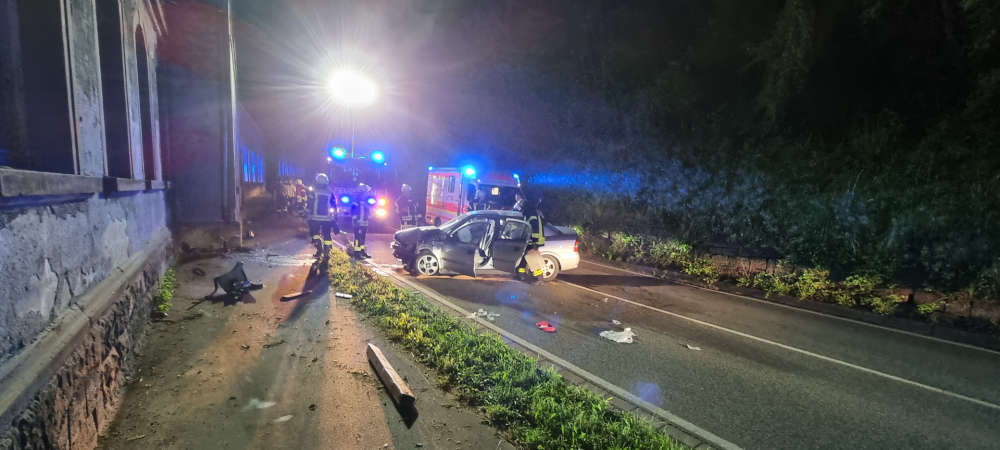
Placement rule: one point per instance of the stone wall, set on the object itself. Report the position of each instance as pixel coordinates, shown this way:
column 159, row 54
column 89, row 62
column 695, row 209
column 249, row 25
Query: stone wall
column 54, row 253
column 76, row 400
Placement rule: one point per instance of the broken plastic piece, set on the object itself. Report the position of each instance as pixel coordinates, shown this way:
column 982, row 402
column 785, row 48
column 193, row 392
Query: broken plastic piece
column 616, row 321
column 343, row 295
column 295, row 295
column 257, row 404
column 546, row 327
column 623, row 337
column 283, row 419
column 691, row 347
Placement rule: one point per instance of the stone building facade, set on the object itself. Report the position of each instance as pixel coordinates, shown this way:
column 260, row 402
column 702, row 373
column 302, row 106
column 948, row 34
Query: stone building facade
column 119, row 141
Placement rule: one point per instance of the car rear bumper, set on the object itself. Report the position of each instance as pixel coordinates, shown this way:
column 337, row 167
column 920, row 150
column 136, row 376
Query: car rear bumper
column 568, row 260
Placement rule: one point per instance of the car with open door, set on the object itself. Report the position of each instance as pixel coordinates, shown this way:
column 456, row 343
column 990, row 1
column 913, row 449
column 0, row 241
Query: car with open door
column 476, row 243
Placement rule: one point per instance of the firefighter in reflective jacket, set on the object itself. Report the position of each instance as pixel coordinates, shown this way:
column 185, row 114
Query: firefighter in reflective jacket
column 322, row 223
column 405, row 208
column 361, row 211
column 532, row 257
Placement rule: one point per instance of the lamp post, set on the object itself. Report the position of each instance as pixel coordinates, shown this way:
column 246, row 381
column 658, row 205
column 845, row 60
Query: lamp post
column 352, row 89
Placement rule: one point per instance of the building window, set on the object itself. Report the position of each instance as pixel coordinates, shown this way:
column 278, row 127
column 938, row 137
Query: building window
column 116, row 124
column 142, row 63
column 36, row 131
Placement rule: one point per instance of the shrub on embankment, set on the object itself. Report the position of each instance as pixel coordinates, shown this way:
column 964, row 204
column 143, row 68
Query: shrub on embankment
column 537, row 406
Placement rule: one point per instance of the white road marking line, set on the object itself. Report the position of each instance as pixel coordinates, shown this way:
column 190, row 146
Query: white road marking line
column 808, row 311
column 796, row 349
column 691, row 428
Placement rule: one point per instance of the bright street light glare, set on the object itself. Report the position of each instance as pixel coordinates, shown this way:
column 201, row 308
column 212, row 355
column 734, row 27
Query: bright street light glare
column 350, row 88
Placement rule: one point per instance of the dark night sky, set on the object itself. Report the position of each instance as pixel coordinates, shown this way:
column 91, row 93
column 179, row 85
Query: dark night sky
column 432, row 63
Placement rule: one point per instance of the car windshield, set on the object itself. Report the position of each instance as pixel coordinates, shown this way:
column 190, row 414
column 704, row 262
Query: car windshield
column 453, row 223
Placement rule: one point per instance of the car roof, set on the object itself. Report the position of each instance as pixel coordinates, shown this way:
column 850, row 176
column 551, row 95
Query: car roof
column 497, row 212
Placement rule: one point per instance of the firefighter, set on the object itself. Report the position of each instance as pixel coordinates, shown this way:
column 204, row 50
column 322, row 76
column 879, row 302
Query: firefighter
column 361, row 211
column 322, row 223
column 405, row 208
column 532, row 257
column 301, row 194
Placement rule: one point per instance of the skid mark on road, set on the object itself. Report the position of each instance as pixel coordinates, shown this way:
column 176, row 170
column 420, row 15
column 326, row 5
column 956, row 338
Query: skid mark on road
column 795, row 349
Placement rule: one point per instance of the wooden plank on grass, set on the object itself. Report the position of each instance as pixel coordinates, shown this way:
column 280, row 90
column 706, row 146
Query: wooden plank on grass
column 394, row 383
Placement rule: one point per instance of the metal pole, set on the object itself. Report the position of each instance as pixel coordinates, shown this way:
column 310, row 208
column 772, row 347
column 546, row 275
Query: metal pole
column 350, row 115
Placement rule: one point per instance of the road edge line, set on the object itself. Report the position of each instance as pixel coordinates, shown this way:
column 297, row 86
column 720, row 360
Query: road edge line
column 804, row 310
column 829, row 359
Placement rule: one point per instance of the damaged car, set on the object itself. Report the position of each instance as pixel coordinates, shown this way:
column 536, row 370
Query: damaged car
column 483, row 243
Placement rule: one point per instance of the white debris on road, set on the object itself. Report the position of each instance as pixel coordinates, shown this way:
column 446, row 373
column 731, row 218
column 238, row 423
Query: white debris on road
column 257, row 404
column 491, row 316
column 343, row 295
column 283, row 419
column 623, row 337
column 691, row 347
column 616, row 321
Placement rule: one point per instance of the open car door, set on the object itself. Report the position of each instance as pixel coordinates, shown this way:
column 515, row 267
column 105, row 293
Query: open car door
column 458, row 251
column 508, row 248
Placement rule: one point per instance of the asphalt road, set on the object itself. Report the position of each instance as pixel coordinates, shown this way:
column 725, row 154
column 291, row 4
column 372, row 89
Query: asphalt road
column 762, row 375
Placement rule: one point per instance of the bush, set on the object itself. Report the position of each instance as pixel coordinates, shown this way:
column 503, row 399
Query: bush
column 814, row 284
column 772, row 284
column 988, row 282
column 163, row 300
column 701, row 268
column 886, row 305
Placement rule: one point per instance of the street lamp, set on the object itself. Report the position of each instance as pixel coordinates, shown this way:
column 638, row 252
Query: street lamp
column 352, row 89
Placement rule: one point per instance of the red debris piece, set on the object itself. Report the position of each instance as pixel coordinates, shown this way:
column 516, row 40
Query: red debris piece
column 546, row 327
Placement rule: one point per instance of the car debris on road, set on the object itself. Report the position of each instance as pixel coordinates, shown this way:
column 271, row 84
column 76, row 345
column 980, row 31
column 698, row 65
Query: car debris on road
column 622, row 337
column 546, row 327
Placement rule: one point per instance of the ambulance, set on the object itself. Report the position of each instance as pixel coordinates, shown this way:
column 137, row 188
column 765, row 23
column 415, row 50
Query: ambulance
column 453, row 191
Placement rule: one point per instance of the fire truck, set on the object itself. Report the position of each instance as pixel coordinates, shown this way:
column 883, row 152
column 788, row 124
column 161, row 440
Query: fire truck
column 453, row 191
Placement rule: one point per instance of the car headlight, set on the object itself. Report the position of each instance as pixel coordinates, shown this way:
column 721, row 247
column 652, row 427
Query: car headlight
column 381, row 212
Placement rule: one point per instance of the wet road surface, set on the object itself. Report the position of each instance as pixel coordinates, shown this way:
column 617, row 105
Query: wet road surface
column 756, row 374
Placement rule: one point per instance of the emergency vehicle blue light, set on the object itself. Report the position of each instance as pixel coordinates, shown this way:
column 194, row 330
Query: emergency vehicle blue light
column 469, row 171
column 430, row 168
column 345, row 199
column 371, row 200
column 517, row 176
column 378, row 156
column 338, row 152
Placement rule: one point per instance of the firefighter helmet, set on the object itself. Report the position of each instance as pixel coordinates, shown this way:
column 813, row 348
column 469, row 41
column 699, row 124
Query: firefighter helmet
column 322, row 179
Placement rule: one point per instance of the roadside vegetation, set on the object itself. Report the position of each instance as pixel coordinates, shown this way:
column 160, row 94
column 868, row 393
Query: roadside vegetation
column 863, row 290
column 537, row 406
column 163, row 300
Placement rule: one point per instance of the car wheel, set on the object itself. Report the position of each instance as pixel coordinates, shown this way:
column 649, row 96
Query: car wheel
column 427, row 264
column 550, row 268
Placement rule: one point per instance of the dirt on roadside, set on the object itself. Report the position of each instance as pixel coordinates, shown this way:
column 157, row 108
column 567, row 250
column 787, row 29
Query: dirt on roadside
column 265, row 373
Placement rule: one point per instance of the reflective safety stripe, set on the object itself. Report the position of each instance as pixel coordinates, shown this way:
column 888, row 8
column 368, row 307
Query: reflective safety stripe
column 362, row 223
column 327, row 242
column 520, row 270
column 321, row 218
column 538, row 272
column 317, row 237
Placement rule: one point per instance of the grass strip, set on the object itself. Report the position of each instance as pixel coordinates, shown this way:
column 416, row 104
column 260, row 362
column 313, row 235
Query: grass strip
column 537, row 406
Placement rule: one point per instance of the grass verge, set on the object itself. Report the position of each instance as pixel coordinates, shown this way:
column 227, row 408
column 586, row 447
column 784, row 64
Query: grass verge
column 537, row 406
